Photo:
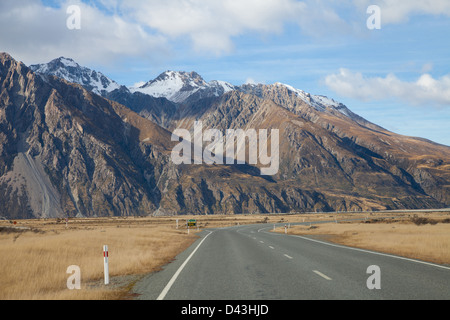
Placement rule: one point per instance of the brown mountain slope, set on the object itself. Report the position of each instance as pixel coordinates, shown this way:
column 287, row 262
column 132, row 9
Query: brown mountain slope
column 65, row 151
column 352, row 164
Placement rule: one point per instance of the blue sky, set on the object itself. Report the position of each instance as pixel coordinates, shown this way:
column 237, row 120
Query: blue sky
column 397, row 77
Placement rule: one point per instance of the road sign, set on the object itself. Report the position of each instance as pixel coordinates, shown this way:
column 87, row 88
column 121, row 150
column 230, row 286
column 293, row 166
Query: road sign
column 192, row 223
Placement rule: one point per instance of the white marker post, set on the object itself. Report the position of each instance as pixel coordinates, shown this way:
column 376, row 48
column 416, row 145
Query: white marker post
column 106, row 265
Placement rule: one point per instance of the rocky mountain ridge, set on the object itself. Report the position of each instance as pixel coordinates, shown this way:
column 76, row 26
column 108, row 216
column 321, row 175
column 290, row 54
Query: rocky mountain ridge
column 68, row 69
column 67, row 151
column 180, row 87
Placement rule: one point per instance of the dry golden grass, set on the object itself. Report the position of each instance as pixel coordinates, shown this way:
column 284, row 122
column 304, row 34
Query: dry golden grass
column 402, row 236
column 34, row 261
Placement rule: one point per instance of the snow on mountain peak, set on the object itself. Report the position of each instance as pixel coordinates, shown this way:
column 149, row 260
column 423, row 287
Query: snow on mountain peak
column 318, row 102
column 71, row 71
column 69, row 62
column 178, row 86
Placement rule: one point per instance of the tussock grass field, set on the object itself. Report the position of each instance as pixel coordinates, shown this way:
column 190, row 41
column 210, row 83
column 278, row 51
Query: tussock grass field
column 35, row 254
column 34, row 261
column 422, row 236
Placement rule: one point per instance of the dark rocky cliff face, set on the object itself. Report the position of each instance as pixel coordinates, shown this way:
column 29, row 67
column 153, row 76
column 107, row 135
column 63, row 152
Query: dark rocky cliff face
column 65, row 151
column 327, row 161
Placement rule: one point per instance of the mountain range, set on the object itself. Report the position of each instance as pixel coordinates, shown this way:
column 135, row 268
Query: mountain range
column 75, row 143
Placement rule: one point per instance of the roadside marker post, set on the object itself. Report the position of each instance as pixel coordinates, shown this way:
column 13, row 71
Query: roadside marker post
column 106, row 264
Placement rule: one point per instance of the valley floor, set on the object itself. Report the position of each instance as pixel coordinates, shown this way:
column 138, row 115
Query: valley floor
column 36, row 254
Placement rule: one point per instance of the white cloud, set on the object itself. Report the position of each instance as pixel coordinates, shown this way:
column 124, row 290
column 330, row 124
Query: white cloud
column 36, row 33
column 425, row 91
column 211, row 24
column 135, row 28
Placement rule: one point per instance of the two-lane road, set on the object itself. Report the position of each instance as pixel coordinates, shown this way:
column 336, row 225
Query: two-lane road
column 252, row 263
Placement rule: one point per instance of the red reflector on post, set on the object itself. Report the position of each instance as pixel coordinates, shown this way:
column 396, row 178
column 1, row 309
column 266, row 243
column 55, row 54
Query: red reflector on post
column 106, row 264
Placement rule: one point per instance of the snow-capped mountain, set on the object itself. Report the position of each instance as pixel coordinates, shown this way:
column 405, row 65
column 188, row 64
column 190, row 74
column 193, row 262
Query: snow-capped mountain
column 53, row 162
column 318, row 101
column 71, row 71
column 280, row 91
column 180, row 87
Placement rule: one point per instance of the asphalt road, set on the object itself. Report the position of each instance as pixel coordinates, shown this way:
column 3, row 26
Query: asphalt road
column 252, row 263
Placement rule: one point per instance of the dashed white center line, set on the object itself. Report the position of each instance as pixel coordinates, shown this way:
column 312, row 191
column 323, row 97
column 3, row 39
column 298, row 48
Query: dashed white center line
column 271, row 247
column 289, row 257
column 322, row 275
column 261, row 241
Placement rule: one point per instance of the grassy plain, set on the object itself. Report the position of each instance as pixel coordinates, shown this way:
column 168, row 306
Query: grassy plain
column 422, row 236
column 35, row 254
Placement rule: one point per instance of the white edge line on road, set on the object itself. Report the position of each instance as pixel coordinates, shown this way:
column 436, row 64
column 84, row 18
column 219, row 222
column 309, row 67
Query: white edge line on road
column 175, row 276
column 374, row 252
column 361, row 250
column 321, row 274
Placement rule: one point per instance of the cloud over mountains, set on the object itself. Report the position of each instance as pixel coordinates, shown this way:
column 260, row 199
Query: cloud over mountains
column 426, row 90
column 137, row 28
